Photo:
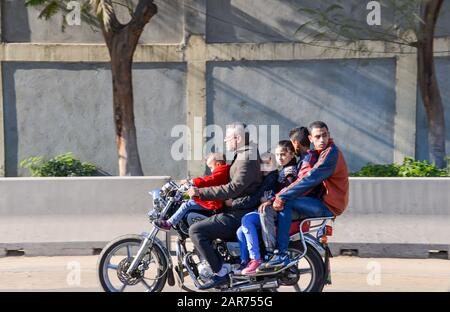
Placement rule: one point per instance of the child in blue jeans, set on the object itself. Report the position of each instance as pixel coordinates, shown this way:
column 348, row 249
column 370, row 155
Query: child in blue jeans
column 273, row 182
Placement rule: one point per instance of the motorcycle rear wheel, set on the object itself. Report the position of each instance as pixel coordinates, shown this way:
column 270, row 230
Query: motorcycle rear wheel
column 310, row 267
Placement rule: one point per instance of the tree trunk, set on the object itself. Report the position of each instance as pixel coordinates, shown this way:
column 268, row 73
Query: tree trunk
column 122, row 41
column 428, row 83
column 126, row 139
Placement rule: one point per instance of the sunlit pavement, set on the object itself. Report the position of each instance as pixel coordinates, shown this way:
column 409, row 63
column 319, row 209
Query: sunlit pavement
column 78, row 273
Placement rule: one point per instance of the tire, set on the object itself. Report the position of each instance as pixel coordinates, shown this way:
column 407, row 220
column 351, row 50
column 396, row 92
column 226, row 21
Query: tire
column 133, row 240
column 317, row 266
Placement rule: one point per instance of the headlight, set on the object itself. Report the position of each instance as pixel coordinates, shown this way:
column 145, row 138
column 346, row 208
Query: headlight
column 153, row 215
column 156, row 198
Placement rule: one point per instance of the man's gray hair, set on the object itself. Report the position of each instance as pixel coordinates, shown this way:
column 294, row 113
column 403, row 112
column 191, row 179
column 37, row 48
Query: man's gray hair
column 240, row 129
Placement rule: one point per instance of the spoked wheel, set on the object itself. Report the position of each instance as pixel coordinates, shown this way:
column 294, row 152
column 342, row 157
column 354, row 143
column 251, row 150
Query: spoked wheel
column 115, row 259
column 308, row 275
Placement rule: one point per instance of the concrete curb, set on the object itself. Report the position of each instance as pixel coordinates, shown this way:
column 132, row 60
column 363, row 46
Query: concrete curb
column 406, row 251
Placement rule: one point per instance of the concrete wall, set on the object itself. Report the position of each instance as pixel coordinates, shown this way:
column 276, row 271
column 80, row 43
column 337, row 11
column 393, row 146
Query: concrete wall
column 275, row 20
column 54, row 108
column 294, row 93
column 395, row 217
column 44, row 216
column 443, row 23
column 443, row 74
column 21, row 24
column 253, row 62
column 226, row 21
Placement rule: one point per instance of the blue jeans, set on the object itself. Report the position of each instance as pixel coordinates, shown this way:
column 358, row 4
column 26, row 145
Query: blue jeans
column 248, row 236
column 307, row 207
column 184, row 208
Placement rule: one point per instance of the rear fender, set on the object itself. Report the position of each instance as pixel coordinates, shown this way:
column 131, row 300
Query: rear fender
column 311, row 241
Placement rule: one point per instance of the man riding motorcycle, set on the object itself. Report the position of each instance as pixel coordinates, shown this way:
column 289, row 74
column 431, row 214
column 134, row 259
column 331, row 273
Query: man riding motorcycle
column 245, row 178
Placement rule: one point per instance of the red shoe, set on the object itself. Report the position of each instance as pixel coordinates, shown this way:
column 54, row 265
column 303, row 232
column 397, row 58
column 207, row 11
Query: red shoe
column 251, row 267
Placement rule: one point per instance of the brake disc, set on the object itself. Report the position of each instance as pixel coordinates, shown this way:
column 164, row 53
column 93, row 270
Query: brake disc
column 125, row 278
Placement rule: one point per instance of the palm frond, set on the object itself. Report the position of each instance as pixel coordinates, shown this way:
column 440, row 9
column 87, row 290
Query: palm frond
column 104, row 11
column 50, row 10
column 35, row 2
column 86, row 7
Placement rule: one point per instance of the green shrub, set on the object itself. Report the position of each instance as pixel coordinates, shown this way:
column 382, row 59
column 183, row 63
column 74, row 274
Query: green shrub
column 64, row 165
column 409, row 168
column 374, row 170
column 415, row 168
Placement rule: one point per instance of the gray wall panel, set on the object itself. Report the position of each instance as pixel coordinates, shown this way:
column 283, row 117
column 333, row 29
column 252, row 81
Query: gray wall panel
column 53, row 108
column 21, row 24
column 355, row 98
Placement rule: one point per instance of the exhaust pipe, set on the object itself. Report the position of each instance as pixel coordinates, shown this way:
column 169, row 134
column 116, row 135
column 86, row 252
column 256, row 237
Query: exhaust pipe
column 255, row 287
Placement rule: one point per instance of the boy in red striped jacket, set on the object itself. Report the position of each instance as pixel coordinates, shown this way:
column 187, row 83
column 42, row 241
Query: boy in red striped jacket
column 324, row 169
column 220, row 175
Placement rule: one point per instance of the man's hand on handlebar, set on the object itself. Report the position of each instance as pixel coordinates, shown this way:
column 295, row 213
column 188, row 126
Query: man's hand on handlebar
column 193, row 191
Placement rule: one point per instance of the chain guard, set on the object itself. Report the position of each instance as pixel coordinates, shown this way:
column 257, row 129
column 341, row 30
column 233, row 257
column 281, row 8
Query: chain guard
column 290, row 277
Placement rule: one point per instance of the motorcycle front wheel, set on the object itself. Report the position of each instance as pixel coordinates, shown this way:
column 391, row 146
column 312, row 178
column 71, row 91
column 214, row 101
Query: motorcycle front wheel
column 117, row 256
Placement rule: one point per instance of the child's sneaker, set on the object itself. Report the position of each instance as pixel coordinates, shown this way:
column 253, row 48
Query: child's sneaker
column 251, row 267
column 268, row 256
column 278, row 261
column 162, row 224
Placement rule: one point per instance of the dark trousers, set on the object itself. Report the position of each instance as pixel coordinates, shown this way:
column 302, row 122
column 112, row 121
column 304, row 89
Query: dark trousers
column 220, row 226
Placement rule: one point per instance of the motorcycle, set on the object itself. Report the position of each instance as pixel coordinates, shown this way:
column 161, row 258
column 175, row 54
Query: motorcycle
column 143, row 262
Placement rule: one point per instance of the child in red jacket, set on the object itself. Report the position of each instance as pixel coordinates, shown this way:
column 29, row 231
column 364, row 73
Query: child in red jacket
column 220, row 175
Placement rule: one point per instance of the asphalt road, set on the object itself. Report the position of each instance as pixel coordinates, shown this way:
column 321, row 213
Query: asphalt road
column 78, row 273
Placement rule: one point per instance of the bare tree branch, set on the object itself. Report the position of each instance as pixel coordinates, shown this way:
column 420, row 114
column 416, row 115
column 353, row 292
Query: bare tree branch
column 144, row 11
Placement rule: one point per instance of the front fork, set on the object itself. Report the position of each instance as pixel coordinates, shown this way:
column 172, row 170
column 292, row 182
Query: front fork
column 146, row 244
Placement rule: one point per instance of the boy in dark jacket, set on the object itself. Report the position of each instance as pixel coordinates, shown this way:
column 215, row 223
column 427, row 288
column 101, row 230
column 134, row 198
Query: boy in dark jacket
column 220, row 175
column 268, row 216
column 270, row 176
